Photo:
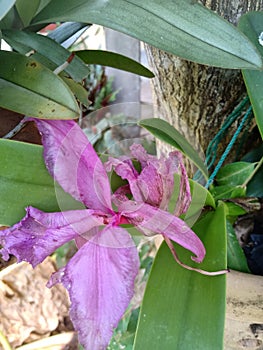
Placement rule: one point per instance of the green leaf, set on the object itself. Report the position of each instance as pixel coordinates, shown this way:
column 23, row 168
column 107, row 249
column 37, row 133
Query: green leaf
column 234, row 209
column 43, row 3
column 201, row 198
column 182, row 27
column 25, row 181
column 254, row 187
column 167, row 133
column 25, row 87
column 183, row 309
column 198, row 191
column 251, row 25
column 236, row 259
column 114, row 60
column 24, row 42
column 66, row 31
column 11, row 20
column 234, row 174
column 5, row 6
column 227, row 192
column 27, row 9
column 78, row 90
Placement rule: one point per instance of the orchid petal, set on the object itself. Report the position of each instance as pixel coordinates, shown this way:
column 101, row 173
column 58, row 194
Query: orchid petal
column 151, row 185
column 39, row 234
column 100, row 280
column 184, row 198
column 82, row 239
column 161, row 174
column 155, row 183
column 123, row 167
column 151, row 220
column 74, row 164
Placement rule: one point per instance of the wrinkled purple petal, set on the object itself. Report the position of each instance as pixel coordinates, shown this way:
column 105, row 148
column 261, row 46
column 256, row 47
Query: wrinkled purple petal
column 139, row 153
column 184, row 197
column 151, row 220
column 72, row 161
column 100, row 280
column 123, row 167
column 159, row 175
column 155, row 183
column 39, row 234
column 151, row 186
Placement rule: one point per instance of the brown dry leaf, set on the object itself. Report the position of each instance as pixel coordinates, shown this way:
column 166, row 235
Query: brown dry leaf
column 28, row 309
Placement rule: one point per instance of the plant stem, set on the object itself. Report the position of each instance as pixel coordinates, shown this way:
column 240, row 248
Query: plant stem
column 4, row 342
column 176, row 258
column 14, row 131
column 253, row 173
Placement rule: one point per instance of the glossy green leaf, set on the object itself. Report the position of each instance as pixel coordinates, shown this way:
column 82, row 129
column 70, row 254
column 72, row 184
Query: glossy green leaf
column 27, row 41
column 200, row 198
column 236, row 259
column 199, row 191
column 27, row 9
column 25, row 87
column 167, row 133
column 228, row 191
column 234, row 174
column 25, row 181
column 11, row 20
column 234, row 210
column 182, row 27
column 251, row 25
column 114, row 60
column 78, row 90
column 183, row 309
column 254, row 187
column 66, row 31
column 5, row 6
column 43, row 3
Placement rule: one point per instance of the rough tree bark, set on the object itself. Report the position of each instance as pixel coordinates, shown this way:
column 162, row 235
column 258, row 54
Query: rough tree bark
column 195, row 98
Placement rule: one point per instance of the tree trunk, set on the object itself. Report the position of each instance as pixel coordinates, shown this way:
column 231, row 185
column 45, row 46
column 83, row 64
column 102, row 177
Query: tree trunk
column 195, row 98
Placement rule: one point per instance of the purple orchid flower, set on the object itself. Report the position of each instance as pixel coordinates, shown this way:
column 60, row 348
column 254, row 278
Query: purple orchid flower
column 100, row 276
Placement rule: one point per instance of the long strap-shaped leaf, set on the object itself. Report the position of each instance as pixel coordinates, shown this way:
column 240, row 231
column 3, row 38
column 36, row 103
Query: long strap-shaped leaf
column 182, row 309
column 5, row 6
column 114, row 60
column 30, row 88
column 252, row 25
column 23, row 42
column 24, row 180
column 182, row 27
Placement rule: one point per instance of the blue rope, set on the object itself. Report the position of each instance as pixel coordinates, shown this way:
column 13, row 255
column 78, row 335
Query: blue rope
column 228, row 148
column 211, row 151
column 244, row 137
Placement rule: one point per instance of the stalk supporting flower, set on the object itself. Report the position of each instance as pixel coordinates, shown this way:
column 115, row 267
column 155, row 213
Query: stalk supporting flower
column 100, row 276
